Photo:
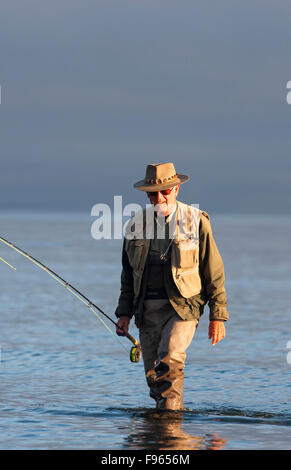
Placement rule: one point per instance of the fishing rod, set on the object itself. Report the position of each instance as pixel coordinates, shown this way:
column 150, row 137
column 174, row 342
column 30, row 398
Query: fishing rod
column 135, row 352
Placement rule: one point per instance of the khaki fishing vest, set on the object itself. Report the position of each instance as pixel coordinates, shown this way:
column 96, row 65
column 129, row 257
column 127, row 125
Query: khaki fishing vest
column 184, row 253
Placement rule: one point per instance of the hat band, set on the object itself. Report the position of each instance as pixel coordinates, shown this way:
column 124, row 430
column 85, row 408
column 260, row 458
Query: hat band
column 160, row 180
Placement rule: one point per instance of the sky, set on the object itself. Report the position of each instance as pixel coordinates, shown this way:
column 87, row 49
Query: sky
column 93, row 91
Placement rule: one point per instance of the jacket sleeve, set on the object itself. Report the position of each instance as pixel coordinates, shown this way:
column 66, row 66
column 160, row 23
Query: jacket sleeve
column 212, row 272
column 125, row 302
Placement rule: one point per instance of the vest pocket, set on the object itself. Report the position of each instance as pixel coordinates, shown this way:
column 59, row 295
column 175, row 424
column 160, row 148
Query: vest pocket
column 185, row 254
column 187, row 281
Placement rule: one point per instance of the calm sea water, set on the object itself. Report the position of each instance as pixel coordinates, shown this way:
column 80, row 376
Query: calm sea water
column 66, row 383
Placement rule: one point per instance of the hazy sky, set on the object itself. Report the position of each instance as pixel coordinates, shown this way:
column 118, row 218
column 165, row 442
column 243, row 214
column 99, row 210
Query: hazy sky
column 93, row 91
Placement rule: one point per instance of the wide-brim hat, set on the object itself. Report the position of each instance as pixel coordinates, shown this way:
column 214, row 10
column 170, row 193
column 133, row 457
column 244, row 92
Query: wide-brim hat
column 160, row 176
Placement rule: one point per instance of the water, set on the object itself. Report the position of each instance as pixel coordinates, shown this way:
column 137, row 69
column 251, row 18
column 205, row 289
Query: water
column 67, row 384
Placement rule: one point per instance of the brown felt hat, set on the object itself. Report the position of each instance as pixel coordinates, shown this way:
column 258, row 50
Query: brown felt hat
column 160, row 176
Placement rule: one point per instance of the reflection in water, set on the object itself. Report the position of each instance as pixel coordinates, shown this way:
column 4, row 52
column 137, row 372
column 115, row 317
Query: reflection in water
column 163, row 431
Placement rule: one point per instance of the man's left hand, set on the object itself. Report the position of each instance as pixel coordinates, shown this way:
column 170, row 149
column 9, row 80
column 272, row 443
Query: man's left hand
column 216, row 331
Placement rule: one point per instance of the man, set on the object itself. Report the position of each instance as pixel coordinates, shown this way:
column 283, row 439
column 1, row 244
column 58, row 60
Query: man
column 171, row 269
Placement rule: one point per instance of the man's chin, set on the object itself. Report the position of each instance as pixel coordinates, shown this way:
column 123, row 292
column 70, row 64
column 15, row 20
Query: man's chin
column 161, row 210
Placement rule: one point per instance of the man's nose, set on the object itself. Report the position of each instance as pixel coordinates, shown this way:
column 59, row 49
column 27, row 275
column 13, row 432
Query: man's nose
column 160, row 197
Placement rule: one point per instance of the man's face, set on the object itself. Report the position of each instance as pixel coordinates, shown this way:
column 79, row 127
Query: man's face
column 164, row 201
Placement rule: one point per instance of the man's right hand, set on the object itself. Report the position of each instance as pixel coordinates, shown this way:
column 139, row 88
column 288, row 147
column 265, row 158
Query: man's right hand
column 123, row 324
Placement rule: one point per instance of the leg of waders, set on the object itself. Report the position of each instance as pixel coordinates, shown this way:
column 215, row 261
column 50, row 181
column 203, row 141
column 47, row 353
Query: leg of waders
column 176, row 336
column 155, row 315
column 164, row 338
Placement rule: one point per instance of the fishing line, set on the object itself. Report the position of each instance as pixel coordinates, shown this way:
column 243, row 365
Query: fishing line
column 135, row 351
column 7, row 263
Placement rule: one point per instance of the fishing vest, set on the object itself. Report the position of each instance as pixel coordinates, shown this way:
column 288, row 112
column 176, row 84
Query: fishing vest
column 184, row 252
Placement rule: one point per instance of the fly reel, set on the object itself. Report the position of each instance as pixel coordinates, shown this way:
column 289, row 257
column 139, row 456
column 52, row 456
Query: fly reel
column 135, row 353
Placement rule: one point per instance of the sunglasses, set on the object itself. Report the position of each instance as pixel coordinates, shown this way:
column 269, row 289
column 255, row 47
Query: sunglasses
column 165, row 192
